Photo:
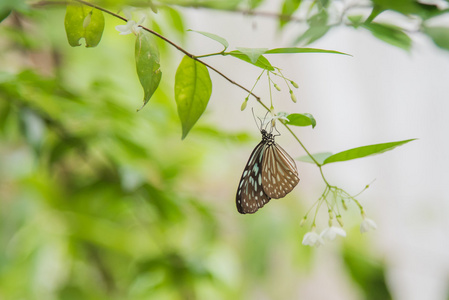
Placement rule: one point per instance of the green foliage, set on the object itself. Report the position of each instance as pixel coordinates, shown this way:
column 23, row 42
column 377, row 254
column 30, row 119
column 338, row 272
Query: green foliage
column 193, row 88
column 83, row 22
column 261, row 62
column 147, row 64
column 364, row 151
column 318, row 13
column 214, row 37
column 318, row 27
column 7, row 6
column 288, row 9
column 439, row 35
column 252, row 53
column 390, row 34
column 292, row 50
column 301, row 120
column 359, row 152
column 368, row 273
column 4, row 13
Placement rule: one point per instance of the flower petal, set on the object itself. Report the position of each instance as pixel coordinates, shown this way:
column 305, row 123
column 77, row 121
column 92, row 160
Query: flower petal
column 367, row 225
column 312, row 239
column 127, row 13
column 124, row 29
column 331, row 233
column 141, row 21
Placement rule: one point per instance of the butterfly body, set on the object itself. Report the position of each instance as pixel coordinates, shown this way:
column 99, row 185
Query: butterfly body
column 269, row 173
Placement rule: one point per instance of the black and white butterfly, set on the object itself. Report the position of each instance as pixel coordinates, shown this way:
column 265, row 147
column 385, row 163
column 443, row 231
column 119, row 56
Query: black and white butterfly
column 269, row 173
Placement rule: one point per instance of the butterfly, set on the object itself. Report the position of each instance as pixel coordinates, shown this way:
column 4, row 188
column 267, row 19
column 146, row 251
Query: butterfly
column 269, row 173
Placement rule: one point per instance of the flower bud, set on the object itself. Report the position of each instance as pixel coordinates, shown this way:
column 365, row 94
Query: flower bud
column 343, row 203
column 295, row 85
column 331, row 214
column 303, row 221
column 292, row 96
column 242, row 108
column 340, row 221
column 277, row 87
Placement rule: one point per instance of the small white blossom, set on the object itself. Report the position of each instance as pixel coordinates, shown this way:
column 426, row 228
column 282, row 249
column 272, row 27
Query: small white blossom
column 367, row 225
column 330, row 233
column 131, row 26
column 312, row 239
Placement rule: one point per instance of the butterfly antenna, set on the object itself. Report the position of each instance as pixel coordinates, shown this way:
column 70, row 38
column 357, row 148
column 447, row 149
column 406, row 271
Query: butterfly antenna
column 264, row 118
column 254, row 116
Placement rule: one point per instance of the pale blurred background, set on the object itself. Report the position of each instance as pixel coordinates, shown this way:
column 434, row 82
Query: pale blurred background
column 381, row 94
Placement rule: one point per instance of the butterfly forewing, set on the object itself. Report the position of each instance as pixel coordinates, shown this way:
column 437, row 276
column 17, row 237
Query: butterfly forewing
column 279, row 172
column 250, row 193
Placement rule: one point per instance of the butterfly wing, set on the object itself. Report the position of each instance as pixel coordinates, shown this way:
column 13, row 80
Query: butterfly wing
column 279, row 172
column 250, row 193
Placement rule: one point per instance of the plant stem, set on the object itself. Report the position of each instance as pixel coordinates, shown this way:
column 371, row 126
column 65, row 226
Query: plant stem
column 302, row 145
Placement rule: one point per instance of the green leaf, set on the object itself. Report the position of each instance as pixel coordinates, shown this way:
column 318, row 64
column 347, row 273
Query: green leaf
column 174, row 18
column 302, row 50
column 301, row 120
column 252, row 53
column 147, row 64
column 439, row 35
column 363, row 151
column 261, row 62
column 367, row 271
column 319, row 157
column 255, row 3
column 215, row 37
column 288, row 8
column 193, row 88
column 83, row 22
column 410, row 7
column 312, row 34
column 356, row 20
column 318, row 27
column 4, row 13
column 390, row 34
column 8, row 6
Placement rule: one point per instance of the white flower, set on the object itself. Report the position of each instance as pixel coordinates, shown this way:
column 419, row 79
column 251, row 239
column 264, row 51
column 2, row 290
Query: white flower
column 312, row 239
column 131, row 26
column 330, row 233
column 367, row 225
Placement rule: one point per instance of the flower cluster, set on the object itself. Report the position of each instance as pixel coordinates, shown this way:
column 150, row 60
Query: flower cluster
column 312, row 238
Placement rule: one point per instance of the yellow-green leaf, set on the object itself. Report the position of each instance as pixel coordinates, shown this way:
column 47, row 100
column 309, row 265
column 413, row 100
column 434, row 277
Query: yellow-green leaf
column 261, row 62
column 364, row 151
column 193, row 89
column 293, row 50
column 82, row 21
column 147, row 64
column 301, row 120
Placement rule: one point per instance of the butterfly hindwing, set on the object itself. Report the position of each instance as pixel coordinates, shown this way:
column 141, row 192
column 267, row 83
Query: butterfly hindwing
column 250, row 194
column 279, row 172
